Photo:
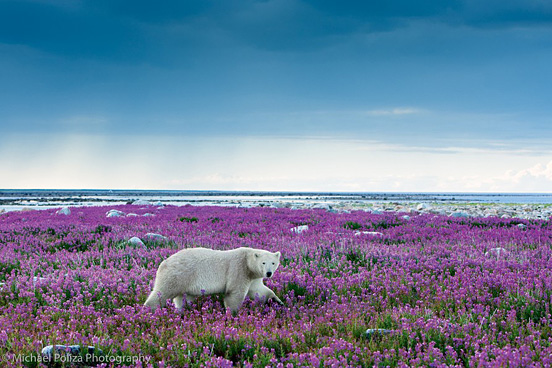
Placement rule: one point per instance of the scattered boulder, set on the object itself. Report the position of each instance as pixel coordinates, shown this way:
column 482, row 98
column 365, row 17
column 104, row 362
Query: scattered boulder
column 371, row 332
column 114, row 213
column 142, row 202
column 148, row 214
column 131, row 215
column 322, row 206
column 38, row 280
column 156, row 237
column 53, row 353
column 373, row 233
column 406, row 217
column 423, row 207
column 63, row 211
column 497, row 252
column 136, row 242
column 522, row 226
column 459, row 214
column 299, row 229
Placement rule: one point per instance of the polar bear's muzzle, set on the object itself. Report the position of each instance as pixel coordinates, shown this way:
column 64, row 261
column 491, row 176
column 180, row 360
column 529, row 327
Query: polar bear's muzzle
column 269, row 274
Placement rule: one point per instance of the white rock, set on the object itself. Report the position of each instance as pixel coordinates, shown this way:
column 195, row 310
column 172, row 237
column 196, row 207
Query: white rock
column 374, row 331
column 136, row 241
column 154, row 236
column 131, row 215
column 142, row 202
column 423, row 207
column 459, row 214
column 299, row 229
column 373, row 233
column 322, row 206
column 148, row 214
column 497, row 252
column 114, row 213
column 64, row 211
column 522, row 226
column 406, row 217
column 38, row 280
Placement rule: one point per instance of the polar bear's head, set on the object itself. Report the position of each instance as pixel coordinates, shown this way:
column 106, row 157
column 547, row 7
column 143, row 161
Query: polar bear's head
column 263, row 263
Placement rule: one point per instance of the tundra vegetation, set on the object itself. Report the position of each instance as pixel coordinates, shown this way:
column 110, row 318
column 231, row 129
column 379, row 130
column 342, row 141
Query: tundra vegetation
column 433, row 283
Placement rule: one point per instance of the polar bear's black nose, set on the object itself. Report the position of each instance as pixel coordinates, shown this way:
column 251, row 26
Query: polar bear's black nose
column 268, row 274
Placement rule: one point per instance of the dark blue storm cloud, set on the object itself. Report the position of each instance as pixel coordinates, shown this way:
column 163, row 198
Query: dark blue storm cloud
column 133, row 30
column 279, row 67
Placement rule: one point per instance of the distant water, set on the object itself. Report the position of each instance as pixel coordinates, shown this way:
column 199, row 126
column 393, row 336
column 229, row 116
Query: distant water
column 17, row 199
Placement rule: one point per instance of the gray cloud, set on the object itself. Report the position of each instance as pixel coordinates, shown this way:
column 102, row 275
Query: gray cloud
column 132, row 31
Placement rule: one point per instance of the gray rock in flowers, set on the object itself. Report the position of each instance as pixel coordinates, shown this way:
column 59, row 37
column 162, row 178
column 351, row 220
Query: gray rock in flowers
column 459, row 214
column 142, row 202
column 54, row 352
column 114, row 213
column 322, row 206
column 299, row 229
column 371, row 332
column 156, row 237
column 497, row 252
column 136, row 242
column 372, row 233
column 423, row 207
column 39, row 280
column 64, row 211
column 522, row 226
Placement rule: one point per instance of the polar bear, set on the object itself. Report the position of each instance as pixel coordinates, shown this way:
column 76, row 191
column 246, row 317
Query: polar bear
column 197, row 271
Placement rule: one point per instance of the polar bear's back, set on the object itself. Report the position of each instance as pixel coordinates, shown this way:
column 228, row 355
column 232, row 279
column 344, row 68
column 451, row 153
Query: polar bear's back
column 205, row 256
column 198, row 270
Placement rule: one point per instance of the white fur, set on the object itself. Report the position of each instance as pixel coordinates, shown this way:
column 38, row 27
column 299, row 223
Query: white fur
column 197, row 271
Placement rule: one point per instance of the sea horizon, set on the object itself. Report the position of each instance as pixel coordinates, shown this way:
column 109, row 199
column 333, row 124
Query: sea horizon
column 16, row 199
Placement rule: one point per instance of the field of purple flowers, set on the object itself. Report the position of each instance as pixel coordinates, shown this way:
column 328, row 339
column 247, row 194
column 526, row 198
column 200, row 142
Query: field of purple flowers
column 447, row 291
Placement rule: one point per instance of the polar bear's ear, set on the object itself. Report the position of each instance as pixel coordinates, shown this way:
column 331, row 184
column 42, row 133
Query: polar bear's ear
column 278, row 254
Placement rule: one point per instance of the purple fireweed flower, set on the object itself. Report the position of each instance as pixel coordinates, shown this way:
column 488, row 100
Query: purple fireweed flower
column 75, row 280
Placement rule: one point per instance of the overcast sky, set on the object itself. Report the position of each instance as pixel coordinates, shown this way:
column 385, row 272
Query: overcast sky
column 394, row 95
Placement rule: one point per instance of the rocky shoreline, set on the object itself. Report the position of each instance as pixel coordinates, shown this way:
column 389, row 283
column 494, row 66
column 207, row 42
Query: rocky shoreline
column 452, row 209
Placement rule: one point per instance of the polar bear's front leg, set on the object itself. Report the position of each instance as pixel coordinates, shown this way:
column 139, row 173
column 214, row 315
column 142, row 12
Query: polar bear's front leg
column 178, row 302
column 190, row 298
column 258, row 288
column 234, row 299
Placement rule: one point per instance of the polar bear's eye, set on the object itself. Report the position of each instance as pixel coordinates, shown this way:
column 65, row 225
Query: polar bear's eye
column 273, row 263
column 264, row 263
